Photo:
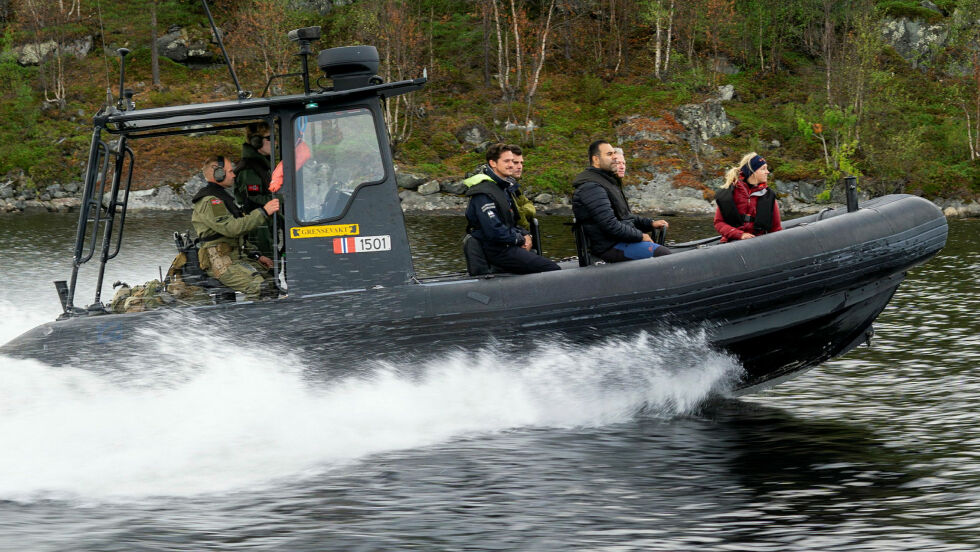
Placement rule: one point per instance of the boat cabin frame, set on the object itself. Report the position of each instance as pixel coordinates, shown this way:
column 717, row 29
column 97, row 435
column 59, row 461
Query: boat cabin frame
column 341, row 201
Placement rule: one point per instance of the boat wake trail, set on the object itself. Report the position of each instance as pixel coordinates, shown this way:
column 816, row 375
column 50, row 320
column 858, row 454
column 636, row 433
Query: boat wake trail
column 199, row 420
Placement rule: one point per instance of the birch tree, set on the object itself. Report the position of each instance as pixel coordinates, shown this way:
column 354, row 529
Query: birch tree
column 47, row 21
column 691, row 24
column 522, row 47
column 965, row 39
column 661, row 14
column 486, row 26
column 401, row 41
column 832, row 16
column 970, row 104
column 397, row 31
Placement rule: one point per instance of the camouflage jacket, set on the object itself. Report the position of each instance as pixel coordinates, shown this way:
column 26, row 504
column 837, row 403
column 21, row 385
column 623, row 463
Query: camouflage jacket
column 217, row 219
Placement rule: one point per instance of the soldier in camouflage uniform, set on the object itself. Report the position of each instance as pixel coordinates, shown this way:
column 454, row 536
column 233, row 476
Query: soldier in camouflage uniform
column 252, row 175
column 222, row 227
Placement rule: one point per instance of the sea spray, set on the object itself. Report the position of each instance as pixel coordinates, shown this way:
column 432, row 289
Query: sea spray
column 210, row 417
column 15, row 319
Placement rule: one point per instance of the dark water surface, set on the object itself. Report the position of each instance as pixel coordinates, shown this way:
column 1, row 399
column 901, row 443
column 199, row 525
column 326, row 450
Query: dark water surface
column 224, row 446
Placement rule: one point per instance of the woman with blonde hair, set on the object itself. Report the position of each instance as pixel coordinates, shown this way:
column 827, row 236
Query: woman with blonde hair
column 746, row 206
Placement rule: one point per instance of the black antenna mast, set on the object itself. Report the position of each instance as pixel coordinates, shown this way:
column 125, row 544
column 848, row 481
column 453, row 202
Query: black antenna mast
column 242, row 94
column 123, row 104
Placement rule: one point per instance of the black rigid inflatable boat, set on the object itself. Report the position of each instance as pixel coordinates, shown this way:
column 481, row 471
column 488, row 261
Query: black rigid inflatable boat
column 782, row 303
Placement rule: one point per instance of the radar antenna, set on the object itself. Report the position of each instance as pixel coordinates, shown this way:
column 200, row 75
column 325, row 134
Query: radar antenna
column 242, row 94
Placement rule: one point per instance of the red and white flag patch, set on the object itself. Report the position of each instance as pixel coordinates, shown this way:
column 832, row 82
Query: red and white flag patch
column 344, row 245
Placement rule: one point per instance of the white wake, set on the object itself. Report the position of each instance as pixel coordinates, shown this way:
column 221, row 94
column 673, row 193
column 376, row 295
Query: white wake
column 209, row 419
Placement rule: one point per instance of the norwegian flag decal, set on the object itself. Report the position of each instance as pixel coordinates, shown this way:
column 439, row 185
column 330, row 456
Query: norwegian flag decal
column 343, row 245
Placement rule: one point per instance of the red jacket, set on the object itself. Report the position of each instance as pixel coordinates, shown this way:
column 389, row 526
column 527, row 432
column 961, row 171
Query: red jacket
column 745, row 203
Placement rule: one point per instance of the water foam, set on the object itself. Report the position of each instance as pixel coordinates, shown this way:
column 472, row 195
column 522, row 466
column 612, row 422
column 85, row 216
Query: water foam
column 215, row 419
column 15, row 320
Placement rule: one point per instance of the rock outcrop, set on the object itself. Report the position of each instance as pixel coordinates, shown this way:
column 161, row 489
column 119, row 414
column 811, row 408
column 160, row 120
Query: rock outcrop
column 660, row 196
column 703, row 122
column 410, row 181
column 187, row 44
column 163, row 198
column 35, row 53
column 476, row 136
column 918, row 42
column 956, row 208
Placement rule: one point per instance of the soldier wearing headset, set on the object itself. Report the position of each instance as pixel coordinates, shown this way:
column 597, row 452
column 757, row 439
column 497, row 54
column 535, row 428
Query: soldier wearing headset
column 222, row 227
column 252, row 175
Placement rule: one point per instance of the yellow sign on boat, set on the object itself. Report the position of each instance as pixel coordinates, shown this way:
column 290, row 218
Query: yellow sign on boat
column 324, row 231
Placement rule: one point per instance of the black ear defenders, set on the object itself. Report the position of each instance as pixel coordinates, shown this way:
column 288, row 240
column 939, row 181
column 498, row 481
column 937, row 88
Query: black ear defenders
column 254, row 132
column 219, row 172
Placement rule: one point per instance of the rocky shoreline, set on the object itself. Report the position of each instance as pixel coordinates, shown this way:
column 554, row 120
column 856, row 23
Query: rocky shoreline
column 658, row 185
column 420, row 194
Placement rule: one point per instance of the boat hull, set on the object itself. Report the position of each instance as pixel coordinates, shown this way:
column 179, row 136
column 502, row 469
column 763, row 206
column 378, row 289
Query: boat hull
column 781, row 304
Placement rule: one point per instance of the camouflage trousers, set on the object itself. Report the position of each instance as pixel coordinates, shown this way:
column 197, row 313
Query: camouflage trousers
column 250, row 278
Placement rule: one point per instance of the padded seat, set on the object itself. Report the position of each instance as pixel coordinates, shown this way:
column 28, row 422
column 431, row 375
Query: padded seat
column 476, row 260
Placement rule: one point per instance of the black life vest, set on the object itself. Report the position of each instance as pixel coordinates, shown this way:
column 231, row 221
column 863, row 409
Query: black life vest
column 221, row 193
column 499, row 197
column 763, row 210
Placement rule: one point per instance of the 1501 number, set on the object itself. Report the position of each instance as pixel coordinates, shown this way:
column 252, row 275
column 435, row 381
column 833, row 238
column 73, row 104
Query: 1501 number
column 373, row 243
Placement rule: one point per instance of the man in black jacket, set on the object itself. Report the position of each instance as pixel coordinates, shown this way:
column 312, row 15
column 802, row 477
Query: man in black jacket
column 600, row 206
column 493, row 213
column 251, row 189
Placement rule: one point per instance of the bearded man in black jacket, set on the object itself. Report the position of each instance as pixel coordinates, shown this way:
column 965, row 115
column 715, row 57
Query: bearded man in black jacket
column 600, row 206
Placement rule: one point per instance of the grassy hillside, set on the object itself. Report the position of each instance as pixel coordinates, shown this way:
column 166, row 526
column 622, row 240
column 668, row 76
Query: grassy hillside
column 912, row 136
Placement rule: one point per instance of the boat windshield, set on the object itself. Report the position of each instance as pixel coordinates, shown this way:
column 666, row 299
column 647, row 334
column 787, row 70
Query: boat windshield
column 336, row 152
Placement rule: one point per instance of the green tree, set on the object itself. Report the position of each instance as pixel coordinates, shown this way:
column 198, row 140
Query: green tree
column 17, row 110
column 768, row 28
column 835, row 128
column 661, row 14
